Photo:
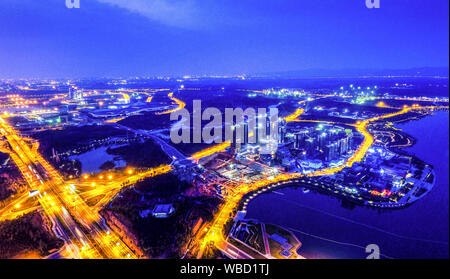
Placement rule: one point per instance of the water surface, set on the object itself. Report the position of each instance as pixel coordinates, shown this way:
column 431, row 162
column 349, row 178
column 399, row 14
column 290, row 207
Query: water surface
column 92, row 160
column 330, row 228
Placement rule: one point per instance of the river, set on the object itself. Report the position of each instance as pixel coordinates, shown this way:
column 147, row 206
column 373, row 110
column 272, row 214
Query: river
column 330, row 228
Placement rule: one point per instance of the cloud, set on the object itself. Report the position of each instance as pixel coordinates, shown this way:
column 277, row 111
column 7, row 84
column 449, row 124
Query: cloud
column 178, row 13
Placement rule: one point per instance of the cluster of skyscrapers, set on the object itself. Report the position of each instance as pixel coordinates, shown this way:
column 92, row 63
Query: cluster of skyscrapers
column 322, row 142
column 259, row 132
column 75, row 93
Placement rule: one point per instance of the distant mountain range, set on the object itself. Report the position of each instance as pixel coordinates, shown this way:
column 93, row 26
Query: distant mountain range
column 315, row 73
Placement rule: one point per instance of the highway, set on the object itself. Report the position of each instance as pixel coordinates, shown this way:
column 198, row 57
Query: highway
column 171, row 151
column 180, row 104
column 63, row 206
column 17, row 206
column 102, row 189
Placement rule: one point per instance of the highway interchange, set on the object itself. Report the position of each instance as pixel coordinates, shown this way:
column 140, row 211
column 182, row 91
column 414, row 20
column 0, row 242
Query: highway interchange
column 85, row 232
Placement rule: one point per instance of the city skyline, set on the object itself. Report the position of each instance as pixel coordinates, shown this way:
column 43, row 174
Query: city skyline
column 224, row 130
column 100, row 159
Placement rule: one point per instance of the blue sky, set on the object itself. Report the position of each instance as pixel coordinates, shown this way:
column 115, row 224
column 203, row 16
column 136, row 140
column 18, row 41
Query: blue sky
column 177, row 37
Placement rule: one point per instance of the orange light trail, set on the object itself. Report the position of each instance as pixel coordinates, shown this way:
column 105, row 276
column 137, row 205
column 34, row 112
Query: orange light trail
column 295, row 115
column 66, row 207
column 180, row 105
column 211, row 150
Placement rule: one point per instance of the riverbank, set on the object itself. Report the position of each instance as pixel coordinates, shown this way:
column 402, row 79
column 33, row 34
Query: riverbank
column 330, row 227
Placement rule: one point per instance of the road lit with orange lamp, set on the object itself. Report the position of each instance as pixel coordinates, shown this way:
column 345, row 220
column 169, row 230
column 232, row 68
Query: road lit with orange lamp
column 215, row 233
column 81, row 227
column 74, row 206
column 180, row 105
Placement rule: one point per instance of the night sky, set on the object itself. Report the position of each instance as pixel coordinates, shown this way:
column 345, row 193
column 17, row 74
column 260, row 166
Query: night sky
column 177, row 37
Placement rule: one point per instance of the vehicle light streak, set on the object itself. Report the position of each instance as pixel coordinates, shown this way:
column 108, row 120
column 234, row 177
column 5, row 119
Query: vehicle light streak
column 211, row 150
column 63, row 206
column 180, row 105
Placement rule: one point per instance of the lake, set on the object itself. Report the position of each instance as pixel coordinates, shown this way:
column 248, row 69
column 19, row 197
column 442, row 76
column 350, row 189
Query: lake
column 92, row 160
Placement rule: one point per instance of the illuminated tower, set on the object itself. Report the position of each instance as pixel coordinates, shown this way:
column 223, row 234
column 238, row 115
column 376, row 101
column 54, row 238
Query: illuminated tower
column 71, row 93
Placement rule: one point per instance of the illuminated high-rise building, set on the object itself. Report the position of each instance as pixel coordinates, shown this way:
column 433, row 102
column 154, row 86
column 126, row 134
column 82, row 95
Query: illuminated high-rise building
column 72, row 93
